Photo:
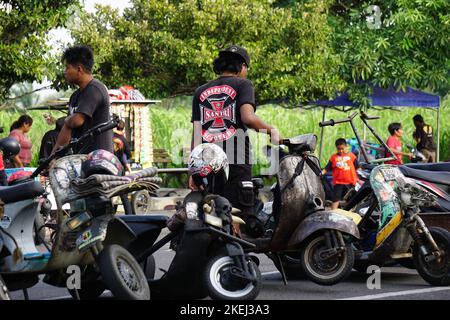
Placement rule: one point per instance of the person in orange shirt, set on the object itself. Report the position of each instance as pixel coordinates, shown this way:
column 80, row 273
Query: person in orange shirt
column 343, row 166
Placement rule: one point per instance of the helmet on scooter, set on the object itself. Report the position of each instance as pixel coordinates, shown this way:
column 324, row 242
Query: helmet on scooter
column 208, row 166
column 9, row 146
column 101, row 162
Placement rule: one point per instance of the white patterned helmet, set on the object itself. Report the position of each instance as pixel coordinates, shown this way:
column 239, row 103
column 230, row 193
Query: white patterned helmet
column 205, row 160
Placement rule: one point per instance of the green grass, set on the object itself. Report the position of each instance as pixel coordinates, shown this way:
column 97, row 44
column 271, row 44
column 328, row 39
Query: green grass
column 169, row 124
column 172, row 128
column 39, row 128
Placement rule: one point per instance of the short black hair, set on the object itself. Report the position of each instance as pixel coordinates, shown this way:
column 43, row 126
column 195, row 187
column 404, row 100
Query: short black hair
column 418, row 118
column 228, row 63
column 340, row 141
column 79, row 55
column 394, row 127
column 120, row 125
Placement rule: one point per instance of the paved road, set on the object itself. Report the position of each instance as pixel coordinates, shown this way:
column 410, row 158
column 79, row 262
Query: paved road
column 397, row 283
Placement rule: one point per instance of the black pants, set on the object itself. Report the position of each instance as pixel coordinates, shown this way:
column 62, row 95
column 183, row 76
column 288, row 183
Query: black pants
column 339, row 191
column 240, row 196
column 126, row 204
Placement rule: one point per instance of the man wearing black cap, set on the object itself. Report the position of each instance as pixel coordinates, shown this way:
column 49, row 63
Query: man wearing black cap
column 222, row 111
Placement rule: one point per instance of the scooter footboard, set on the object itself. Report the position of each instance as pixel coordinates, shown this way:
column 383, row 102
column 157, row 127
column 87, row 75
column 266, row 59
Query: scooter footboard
column 323, row 220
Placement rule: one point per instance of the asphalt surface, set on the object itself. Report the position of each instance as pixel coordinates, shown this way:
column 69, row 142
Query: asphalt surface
column 397, row 283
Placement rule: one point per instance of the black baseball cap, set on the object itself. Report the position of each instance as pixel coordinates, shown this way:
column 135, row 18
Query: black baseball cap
column 240, row 51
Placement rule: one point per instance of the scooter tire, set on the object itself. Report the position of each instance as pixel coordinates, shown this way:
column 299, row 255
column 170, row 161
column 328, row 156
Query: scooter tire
column 4, row 292
column 214, row 286
column 320, row 276
column 122, row 274
column 435, row 274
column 149, row 267
column 38, row 230
column 141, row 202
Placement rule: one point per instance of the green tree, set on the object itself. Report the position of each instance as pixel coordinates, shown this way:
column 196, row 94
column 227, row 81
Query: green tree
column 167, row 47
column 24, row 25
column 401, row 43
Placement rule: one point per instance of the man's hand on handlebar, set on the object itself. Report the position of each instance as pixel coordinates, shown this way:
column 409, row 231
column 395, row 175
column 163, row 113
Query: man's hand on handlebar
column 275, row 137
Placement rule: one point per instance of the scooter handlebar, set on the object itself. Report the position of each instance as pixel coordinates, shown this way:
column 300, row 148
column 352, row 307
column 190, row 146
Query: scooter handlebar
column 99, row 129
column 332, row 122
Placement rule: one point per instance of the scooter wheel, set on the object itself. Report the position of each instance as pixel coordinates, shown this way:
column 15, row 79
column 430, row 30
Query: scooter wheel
column 435, row 272
column 141, row 202
column 4, row 292
column 329, row 271
column 122, row 274
column 220, row 287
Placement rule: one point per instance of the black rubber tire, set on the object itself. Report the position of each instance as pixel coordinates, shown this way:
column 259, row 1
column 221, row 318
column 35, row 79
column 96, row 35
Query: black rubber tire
column 149, row 267
column 38, row 223
column 211, row 280
column 4, row 292
column 344, row 267
column 140, row 202
column 440, row 276
column 89, row 290
column 108, row 261
column 361, row 267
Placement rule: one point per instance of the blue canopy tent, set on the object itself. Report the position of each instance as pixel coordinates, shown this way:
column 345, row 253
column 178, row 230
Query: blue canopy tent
column 388, row 98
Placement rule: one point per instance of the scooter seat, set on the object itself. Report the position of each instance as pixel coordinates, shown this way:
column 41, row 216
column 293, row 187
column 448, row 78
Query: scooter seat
column 23, row 191
column 439, row 166
column 440, row 177
column 159, row 220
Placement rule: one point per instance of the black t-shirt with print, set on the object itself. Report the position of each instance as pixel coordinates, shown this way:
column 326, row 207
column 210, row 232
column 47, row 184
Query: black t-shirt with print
column 217, row 105
column 93, row 102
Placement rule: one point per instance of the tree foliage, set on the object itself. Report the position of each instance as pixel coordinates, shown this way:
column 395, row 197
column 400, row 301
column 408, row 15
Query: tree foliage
column 167, row 47
column 404, row 43
column 23, row 28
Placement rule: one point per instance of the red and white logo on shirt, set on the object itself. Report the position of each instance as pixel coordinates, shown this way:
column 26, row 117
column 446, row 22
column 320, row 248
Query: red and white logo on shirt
column 216, row 110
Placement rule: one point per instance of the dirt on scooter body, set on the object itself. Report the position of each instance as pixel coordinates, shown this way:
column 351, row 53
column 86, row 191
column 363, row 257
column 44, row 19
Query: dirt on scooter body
column 400, row 233
column 295, row 230
column 89, row 237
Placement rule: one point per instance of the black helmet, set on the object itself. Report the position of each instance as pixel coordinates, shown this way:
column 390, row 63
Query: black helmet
column 101, row 162
column 9, row 146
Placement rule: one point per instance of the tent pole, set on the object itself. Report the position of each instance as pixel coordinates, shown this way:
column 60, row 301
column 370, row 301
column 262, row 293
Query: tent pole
column 321, row 136
column 438, row 133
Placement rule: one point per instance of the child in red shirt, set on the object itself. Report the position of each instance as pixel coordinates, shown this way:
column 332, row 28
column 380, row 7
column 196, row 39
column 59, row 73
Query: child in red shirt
column 395, row 144
column 343, row 166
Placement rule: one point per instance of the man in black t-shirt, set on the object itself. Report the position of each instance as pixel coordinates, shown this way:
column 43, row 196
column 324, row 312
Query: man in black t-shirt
column 424, row 138
column 88, row 106
column 222, row 111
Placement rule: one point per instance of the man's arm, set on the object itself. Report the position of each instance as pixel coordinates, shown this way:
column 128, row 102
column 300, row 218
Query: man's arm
column 251, row 120
column 196, row 134
column 74, row 121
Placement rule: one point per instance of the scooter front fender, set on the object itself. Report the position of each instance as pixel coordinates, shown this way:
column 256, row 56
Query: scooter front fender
column 323, row 220
column 109, row 230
